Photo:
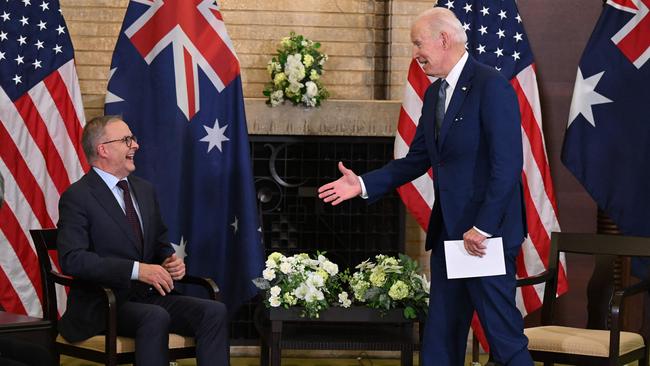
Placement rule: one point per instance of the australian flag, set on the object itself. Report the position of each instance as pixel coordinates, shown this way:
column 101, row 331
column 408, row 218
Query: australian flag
column 606, row 142
column 175, row 79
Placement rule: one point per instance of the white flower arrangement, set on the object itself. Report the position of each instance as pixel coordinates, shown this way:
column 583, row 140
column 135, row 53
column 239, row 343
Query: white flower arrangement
column 314, row 284
column 295, row 73
column 389, row 283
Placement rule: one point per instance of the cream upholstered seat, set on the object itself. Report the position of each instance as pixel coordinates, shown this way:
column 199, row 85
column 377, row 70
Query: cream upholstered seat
column 589, row 342
column 551, row 343
column 125, row 344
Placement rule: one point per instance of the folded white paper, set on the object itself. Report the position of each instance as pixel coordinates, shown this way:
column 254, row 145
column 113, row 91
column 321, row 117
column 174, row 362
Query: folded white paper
column 461, row 264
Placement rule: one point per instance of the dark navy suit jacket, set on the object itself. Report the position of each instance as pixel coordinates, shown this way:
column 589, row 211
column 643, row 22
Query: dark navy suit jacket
column 477, row 161
column 96, row 243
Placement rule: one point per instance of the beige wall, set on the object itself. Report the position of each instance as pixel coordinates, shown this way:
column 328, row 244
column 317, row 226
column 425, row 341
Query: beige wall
column 358, row 35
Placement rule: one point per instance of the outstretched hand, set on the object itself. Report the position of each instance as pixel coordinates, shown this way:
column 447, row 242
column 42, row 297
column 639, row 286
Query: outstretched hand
column 342, row 189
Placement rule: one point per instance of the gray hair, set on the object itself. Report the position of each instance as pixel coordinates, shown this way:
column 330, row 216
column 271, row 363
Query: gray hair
column 444, row 20
column 93, row 131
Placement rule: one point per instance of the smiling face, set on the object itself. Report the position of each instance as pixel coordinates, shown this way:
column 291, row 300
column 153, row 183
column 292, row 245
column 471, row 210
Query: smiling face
column 429, row 48
column 116, row 157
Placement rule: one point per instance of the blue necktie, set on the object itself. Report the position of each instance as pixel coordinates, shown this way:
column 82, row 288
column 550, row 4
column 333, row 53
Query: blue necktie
column 440, row 106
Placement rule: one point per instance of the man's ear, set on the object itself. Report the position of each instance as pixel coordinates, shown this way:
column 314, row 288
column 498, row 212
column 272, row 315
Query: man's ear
column 446, row 40
column 100, row 150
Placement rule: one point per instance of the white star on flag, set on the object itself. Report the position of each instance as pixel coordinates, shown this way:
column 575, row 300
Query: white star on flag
column 235, row 224
column 585, row 96
column 216, row 135
column 180, row 248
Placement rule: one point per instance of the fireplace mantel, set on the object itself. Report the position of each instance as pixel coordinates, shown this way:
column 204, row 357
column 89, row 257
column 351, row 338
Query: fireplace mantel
column 332, row 118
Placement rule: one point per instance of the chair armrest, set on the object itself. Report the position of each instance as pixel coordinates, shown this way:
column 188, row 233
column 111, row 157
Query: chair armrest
column 207, row 283
column 533, row 280
column 616, row 312
column 110, row 304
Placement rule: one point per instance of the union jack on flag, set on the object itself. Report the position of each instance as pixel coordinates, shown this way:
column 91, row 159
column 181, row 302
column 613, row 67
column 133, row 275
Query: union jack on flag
column 175, row 80
column 496, row 37
column 41, row 119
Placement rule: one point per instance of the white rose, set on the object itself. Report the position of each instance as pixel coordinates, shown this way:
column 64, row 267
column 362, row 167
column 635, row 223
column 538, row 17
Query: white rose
column 275, row 291
column 274, row 301
column 285, row 268
column 276, row 98
column 344, row 300
column 294, row 88
column 268, row 274
column 312, row 89
column 270, row 263
column 331, row 268
column 316, row 280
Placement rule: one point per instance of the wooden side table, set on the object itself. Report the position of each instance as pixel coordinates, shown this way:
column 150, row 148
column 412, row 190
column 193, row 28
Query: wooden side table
column 27, row 330
column 355, row 328
column 17, row 323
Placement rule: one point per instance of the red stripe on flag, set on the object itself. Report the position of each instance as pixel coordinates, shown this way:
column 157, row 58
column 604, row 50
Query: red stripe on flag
column 418, row 80
column 24, row 178
column 36, row 127
column 536, row 230
column 535, row 138
column 405, row 127
column 65, row 105
column 528, row 293
column 9, row 299
column 415, row 204
column 189, row 80
column 21, row 246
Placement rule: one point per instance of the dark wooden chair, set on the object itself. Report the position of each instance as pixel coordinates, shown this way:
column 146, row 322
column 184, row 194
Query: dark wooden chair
column 108, row 349
column 550, row 343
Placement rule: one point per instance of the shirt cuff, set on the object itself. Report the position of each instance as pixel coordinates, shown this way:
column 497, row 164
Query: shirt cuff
column 135, row 271
column 364, row 194
column 482, row 232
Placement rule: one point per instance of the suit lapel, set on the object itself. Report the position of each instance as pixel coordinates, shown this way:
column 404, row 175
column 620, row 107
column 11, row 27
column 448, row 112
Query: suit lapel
column 107, row 200
column 460, row 92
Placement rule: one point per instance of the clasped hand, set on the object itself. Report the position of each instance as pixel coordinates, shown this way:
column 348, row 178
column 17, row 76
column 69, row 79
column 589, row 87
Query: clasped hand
column 162, row 276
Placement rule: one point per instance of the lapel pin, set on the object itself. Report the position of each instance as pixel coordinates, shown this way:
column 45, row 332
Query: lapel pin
column 464, row 88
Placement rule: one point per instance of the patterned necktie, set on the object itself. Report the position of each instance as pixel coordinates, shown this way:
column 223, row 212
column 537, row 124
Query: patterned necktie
column 440, row 106
column 131, row 215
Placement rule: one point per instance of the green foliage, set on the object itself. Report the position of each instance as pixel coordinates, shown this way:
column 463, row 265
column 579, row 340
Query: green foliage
column 295, row 73
column 389, row 283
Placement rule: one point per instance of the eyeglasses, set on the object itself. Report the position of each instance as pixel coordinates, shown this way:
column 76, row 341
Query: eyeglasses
column 128, row 140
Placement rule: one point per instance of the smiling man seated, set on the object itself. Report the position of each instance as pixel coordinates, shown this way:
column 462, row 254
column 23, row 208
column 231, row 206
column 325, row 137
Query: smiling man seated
column 110, row 231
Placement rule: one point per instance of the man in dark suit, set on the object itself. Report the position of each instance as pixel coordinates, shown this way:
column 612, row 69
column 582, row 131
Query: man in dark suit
column 111, row 232
column 470, row 135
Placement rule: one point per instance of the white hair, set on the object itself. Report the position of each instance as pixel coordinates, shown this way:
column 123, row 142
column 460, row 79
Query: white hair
column 443, row 20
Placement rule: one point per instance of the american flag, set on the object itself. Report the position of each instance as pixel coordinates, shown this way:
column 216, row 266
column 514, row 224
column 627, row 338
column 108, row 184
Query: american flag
column 496, row 37
column 175, row 79
column 41, row 119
